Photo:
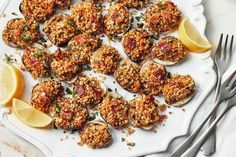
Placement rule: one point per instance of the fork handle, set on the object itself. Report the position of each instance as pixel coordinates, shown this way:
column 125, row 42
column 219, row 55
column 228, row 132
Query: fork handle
column 186, row 144
column 193, row 150
column 209, row 145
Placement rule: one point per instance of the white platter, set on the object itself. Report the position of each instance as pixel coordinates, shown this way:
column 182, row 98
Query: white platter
column 199, row 66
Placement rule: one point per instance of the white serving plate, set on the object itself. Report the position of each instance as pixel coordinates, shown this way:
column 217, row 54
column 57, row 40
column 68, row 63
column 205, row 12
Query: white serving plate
column 199, row 66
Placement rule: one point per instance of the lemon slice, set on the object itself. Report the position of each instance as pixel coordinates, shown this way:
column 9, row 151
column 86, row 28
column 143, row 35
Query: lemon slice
column 191, row 38
column 29, row 115
column 11, row 83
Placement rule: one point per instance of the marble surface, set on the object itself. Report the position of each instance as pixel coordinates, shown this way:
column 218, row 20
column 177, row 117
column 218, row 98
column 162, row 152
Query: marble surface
column 221, row 19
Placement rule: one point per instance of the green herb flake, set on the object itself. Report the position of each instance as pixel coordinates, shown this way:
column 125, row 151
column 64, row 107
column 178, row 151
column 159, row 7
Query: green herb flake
column 155, row 37
column 150, row 44
column 25, row 37
column 140, row 25
column 73, row 131
column 138, row 18
column 122, row 139
column 13, row 13
column 142, row 15
column 68, row 91
column 170, row 41
column 38, row 54
column 24, row 27
column 160, row 5
column 74, row 93
column 71, row 22
column 79, row 32
column 58, row 109
column 126, row 105
column 46, row 64
column 132, row 144
column 54, row 126
column 168, row 74
column 93, row 116
column 9, row 58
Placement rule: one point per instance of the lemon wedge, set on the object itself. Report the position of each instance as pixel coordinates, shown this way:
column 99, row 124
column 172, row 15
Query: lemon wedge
column 11, row 83
column 29, row 115
column 191, row 38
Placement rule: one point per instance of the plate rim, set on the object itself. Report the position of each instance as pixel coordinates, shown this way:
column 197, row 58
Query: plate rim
column 198, row 16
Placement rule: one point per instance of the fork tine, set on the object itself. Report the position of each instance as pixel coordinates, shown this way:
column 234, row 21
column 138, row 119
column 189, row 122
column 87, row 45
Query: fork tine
column 225, row 48
column 233, row 81
column 218, row 49
column 231, row 46
column 233, row 90
column 229, row 79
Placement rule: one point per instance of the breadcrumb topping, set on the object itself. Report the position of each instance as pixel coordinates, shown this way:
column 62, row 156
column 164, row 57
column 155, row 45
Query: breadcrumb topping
column 37, row 62
column 169, row 49
column 96, row 135
column 153, row 77
column 64, row 66
column 60, row 29
column 67, row 114
column 105, row 59
column 21, row 32
column 178, row 88
column 83, row 46
column 163, row 16
column 44, row 93
column 143, row 112
column 137, row 44
column 88, row 91
column 135, row 3
column 114, row 111
column 41, row 10
column 117, row 20
column 127, row 75
column 88, row 17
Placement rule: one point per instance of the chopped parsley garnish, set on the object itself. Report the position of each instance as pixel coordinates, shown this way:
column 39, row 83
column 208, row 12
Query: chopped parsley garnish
column 160, row 5
column 168, row 74
column 132, row 144
column 46, row 64
column 42, row 39
column 126, row 105
column 74, row 92
column 25, row 37
column 142, row 15
column 79, row 32
column 68, row 91
column 58, row 109
column 170, row 41
column 54, row 126
column 140, row 25
column 38, row 54
column 73, row 131
column 93, row 116
column 24, row 27
column 150, row 44
column 13, row 13
column 138, row 18
column 154, row 37
column 71, row 22
column 9, row 59
column 122, row 139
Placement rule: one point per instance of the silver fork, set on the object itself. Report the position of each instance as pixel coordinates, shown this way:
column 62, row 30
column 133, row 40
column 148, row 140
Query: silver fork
column 186, row 144
column 222, row 62
column 193, row 150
